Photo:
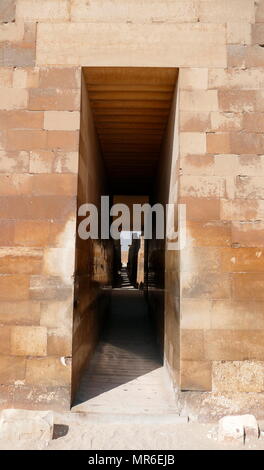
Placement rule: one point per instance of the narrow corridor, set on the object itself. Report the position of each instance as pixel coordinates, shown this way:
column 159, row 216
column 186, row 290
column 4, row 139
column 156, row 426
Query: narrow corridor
column 126, row 373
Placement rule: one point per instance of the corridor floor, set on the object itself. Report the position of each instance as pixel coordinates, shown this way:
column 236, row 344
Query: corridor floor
column 126, row 373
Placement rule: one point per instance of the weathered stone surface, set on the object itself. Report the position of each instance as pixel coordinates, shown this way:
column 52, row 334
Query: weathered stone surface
column 223, row 10
column 29, row 341
column 199, row 100
column 61, row 120
column 137, row 12
column 13, row 98
column 238, row 376
column 49, row 99
column 127, row 44
column 196, row 375
column 19, row 54
column 48, row 371
column 7, row 11
column 16, row 426
column 37, row 10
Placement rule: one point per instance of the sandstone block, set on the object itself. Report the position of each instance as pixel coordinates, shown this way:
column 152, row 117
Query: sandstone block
column 249, row 187
column 227, row 315
column 220, row 11
column 48, row 371
column 193, row 78
column 199, row 100
column 41, row 161
column 61, row 120
column 242, row 260
column 26, row 139
column 12, row 369
column 26, row 77
column 192, row 143
column 194, row 122
column 19, row 54
column 6, row 77
column 4, row 339
column 7, row 11
column 245, row 56
column 53, row 184
column 6, row 231
column 55, row 314
column 37, row 207
column 32, row 233
column 14, row 162
column 20, row 260
column 196, row 375
column 218, row 143
column 29, row 341
column 12, row 98
column 205, row 285
column 195, row 314
column 11, row 32
column 258, row 33
column 226, row 121
column 248, row 286
column 21, row 312
column 59, row 262
column 201, row 209
column 210, row 233
column 237, row 100
column 201, row 259
column 37, row 10
column 260, row 12
column 241, row 209
column 202, row 186
column 197, row 165
column 60, row 77
column 234, row 78
column 192, row 345
column 233, row 345
column 238, row 376
column 248, row 234
column 226, row 165
column 103, row 44
column 63, row 140
column 181, row 11
column 253, row 122
column 50, row 288
column 66, row 162
column 59, row 343
column 21, row 119
column 238, row 33
column 54, row 99
column 14, row 287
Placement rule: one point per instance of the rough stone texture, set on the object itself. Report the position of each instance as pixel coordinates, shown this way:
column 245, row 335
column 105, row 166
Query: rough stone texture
column 20, row 426
column 128, row 44
column 7, row 11
column 240, row 376
column 221, row 105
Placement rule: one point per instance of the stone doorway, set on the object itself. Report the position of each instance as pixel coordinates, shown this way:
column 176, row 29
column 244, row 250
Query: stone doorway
column 127, row 152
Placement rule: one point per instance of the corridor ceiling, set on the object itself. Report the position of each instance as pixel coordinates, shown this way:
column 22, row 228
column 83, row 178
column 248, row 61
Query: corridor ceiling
column 130, row 108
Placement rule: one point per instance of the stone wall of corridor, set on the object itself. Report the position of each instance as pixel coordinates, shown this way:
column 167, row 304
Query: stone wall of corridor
column 218, row 47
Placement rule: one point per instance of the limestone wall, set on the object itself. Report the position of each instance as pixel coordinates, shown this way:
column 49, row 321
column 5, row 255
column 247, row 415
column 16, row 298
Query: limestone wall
column 38, row 162
column 218, row 47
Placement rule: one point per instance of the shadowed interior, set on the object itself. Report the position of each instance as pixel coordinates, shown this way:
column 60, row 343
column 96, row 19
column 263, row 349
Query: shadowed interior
column 130, row 108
